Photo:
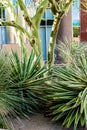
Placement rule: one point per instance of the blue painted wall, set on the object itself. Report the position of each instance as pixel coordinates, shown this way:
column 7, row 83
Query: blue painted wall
column 3, row 35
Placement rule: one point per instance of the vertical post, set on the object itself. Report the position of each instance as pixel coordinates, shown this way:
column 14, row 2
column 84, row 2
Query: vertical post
column 83, row 24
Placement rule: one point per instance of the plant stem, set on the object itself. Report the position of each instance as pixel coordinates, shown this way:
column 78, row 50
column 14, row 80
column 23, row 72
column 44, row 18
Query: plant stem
column 58, row 15
column 55, row 27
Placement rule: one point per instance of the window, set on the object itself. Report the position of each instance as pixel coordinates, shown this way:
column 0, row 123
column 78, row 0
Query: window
column 2, row 28
column 45, row 30
column 2, row 12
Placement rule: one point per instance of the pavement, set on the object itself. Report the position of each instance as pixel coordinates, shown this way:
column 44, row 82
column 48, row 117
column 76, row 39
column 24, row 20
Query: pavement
column 39, row 122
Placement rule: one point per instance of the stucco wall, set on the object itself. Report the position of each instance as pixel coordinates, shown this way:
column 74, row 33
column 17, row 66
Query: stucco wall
column 15, row 47
column 64, row 33
column 65, row 29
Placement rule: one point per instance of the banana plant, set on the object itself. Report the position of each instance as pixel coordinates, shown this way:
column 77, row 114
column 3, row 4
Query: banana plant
column 58, row 8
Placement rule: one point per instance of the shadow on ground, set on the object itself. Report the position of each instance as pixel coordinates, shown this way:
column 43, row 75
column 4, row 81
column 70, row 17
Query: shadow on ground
column 39, row 122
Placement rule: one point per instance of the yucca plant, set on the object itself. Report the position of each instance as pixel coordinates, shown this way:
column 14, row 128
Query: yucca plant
column 29, row 79
column 67, row 96
column 8, row 96
column 70, row 51
column 21, row 83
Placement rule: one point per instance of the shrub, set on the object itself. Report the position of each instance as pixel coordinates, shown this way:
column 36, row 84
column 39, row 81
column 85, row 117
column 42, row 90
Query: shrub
column 67, row 96
column 70, row 51
column 28, row 78
column 76, row 31
column 21, row 83
column 8, row 96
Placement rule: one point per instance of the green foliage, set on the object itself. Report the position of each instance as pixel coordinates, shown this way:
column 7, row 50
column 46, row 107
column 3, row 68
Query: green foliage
column 76, row 31
column 33, row 23
column 8, row 96
column 2, row 124
column 67, row 96
column 70, row 51
column 21, row 83
column 58, row 8
column 28, row 79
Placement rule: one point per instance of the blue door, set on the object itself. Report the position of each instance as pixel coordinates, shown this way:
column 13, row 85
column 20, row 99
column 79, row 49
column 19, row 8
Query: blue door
column 45, row 37
column 43, row 41
column 45, row 30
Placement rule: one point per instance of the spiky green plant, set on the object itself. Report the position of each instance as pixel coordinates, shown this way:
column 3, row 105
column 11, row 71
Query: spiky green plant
column 70, row 51
column 21, row 83
column 29, row 78
column 8, row 96
column 67, row 96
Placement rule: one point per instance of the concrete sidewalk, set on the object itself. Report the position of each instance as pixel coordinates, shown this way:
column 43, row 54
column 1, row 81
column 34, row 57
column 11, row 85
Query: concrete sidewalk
column 39, row 122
